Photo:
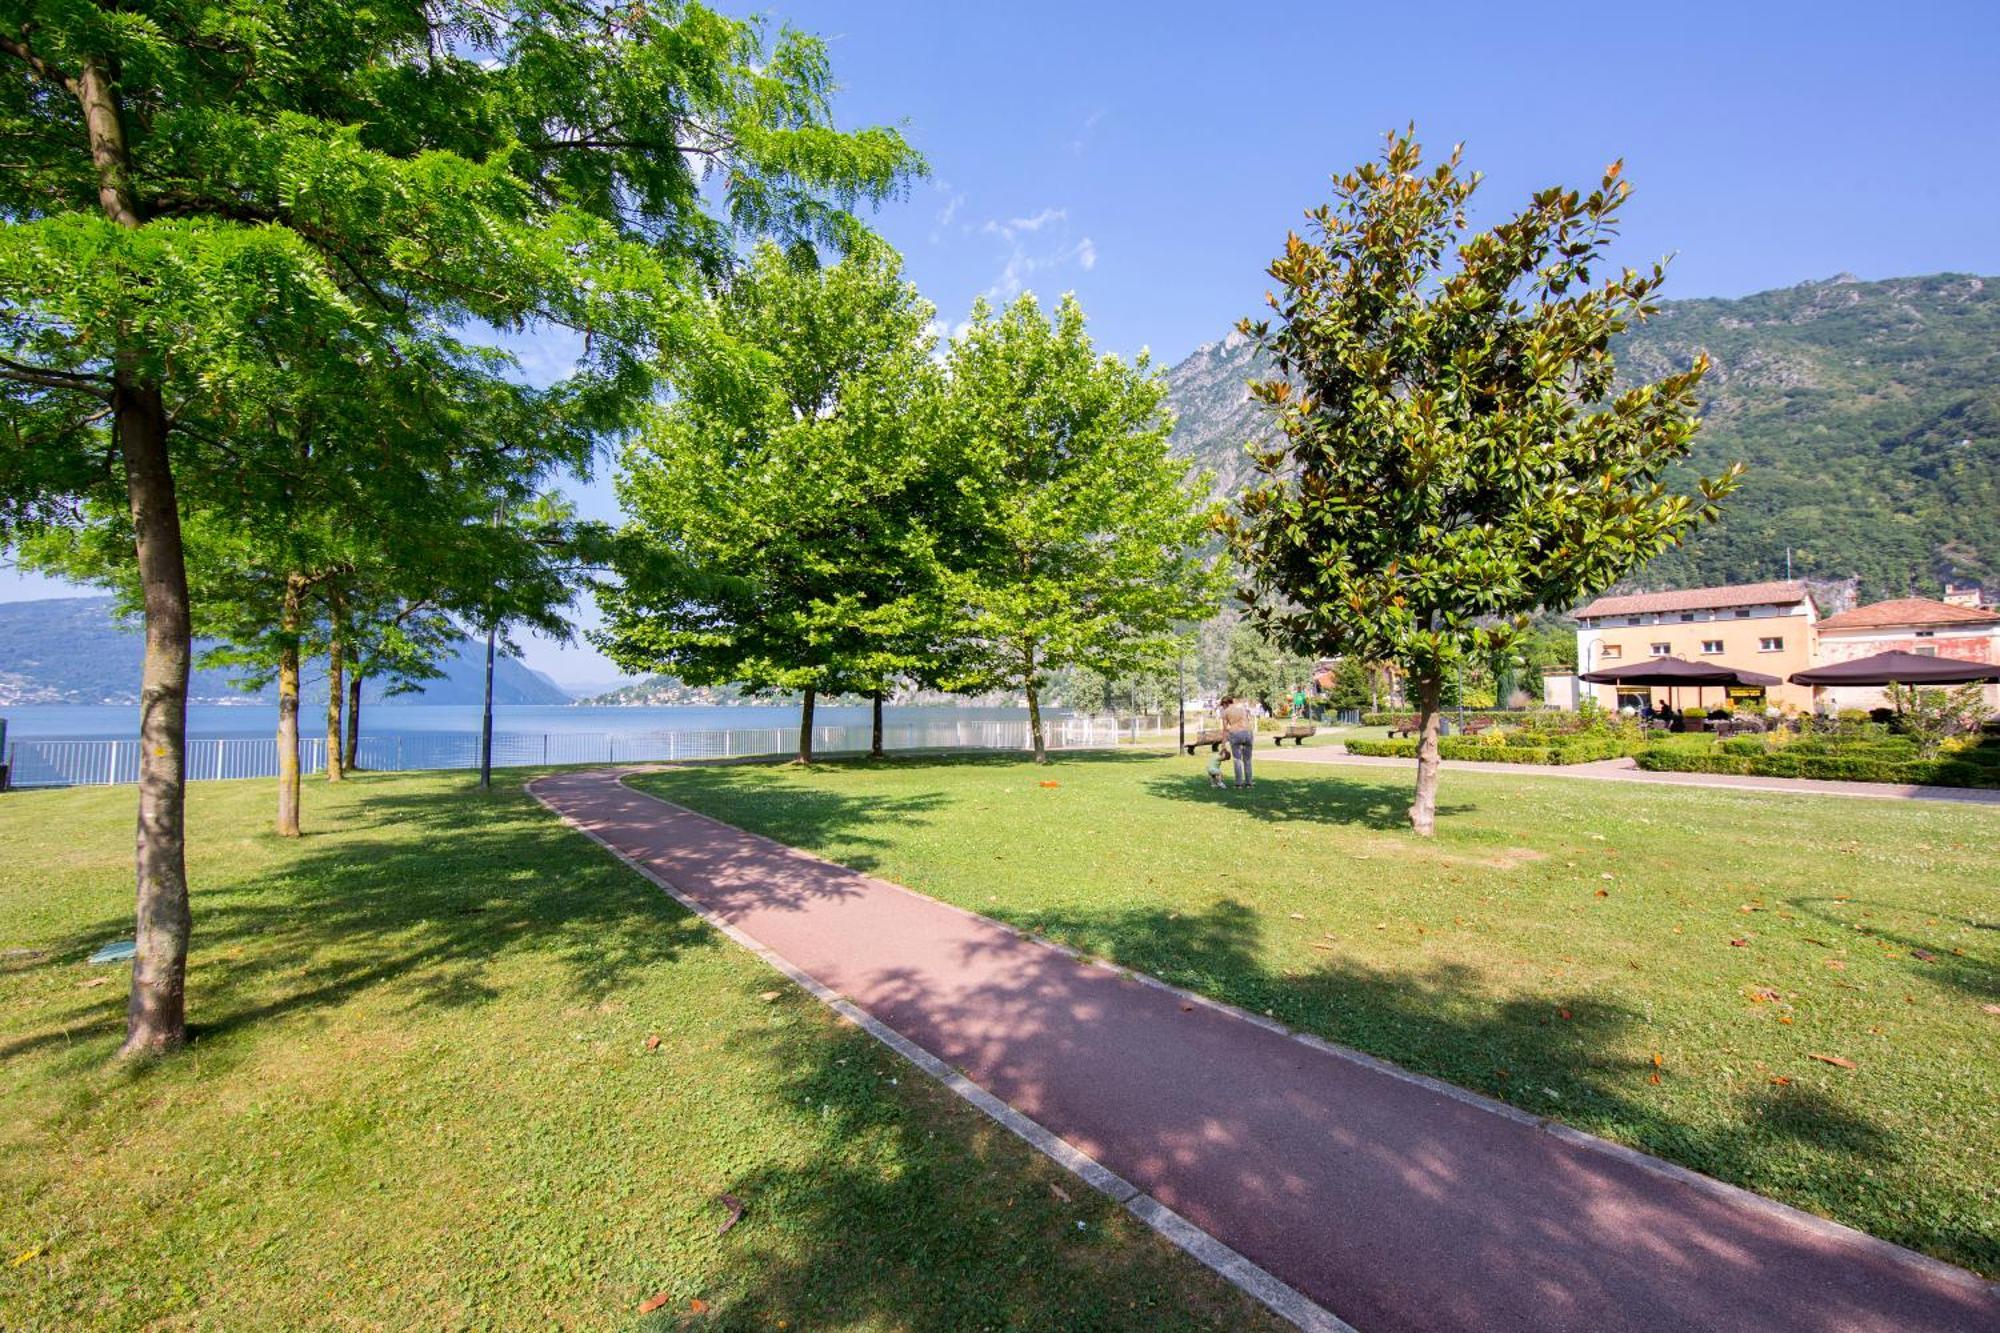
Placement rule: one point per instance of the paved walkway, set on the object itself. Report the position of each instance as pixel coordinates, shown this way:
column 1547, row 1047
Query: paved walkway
column 1394, row 1202
column 1626, row 770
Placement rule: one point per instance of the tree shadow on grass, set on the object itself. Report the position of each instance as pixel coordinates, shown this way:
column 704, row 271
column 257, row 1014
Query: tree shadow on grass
column 430, row 914
column 1932, row 958
column 1301, row 798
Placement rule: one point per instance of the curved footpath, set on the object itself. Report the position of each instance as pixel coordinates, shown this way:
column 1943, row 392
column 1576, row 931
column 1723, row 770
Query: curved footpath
column 1392, row 1201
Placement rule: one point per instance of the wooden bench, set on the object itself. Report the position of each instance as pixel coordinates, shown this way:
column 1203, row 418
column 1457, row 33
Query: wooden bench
column 1296, row 733
column 1213, row 737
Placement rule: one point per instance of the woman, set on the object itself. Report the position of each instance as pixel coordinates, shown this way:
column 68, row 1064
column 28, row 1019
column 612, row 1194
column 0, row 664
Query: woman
column 1239, row 724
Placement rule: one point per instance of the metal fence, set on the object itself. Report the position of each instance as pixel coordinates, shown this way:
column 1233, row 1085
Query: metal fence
column 65, row 762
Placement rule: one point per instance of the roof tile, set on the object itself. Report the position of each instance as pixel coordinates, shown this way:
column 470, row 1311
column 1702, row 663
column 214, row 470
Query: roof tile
column 1908, row 611
column 1698, row 599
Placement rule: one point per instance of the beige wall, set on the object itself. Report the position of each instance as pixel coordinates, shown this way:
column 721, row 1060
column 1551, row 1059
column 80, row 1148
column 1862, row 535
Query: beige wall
column 1741, row 647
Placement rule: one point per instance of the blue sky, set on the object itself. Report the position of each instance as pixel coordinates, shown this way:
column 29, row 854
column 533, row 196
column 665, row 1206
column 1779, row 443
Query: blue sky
column 1151, row 157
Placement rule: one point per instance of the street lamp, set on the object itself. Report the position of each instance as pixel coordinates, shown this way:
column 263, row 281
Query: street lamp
column 1180, row 694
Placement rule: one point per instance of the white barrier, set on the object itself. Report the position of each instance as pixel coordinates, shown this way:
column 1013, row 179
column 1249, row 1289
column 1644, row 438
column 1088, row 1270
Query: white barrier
column 66, row 762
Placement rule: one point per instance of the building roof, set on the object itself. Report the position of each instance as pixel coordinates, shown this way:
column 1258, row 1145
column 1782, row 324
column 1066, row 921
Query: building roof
column 1903, row 612
column 1698, row 599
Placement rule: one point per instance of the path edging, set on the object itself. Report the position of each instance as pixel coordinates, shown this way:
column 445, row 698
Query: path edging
column 1280, row 1297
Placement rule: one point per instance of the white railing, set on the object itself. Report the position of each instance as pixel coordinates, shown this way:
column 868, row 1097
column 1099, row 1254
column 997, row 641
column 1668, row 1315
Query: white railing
column 83, row 763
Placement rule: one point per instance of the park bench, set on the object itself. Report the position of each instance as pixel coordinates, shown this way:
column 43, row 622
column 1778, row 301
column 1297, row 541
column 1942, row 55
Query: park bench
column 1296, row 733
column 1213, row 737
column 1401, row 730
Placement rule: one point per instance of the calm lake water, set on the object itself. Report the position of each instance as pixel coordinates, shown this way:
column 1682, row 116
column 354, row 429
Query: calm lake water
column 215, row 721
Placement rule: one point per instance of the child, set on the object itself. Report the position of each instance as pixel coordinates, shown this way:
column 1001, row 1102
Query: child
column 1215, row 769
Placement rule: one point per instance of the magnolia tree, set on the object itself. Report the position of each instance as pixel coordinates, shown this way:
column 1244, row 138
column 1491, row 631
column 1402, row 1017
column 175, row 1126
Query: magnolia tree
column 1076, row 539
column 1453, row 451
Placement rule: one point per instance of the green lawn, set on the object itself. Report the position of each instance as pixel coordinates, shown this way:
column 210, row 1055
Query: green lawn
column 1556, row 939
column 421, row 1093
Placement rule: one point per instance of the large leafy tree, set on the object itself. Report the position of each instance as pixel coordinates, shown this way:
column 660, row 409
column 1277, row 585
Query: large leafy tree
column 1452, row 452
column 780, row 532
column 1076, row 539
column 202, row 199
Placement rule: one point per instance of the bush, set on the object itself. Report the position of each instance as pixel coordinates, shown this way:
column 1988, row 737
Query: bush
column 1406, row 717
column 1836, row 766
column 1564, row 750
column 1386, row 749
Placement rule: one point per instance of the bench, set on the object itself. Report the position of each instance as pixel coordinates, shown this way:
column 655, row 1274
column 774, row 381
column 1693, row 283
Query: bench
column 1213, row 737
column 1296, row 733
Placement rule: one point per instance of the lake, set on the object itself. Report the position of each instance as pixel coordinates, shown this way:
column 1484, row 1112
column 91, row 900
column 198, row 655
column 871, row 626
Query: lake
column 220, row 721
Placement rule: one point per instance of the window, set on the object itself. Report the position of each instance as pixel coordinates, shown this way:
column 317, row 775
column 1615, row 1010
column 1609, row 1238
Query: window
column 1687, row 617
column 1609, row 651
column 1926, row 650
column 1769, row 645
column 1927, row 634
column 1742, row 613
column 1711, row 647
column 1662, row 649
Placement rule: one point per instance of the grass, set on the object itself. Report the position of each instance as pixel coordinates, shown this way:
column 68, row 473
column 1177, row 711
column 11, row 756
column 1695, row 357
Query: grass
column 423, row 1091
column 1658, row 965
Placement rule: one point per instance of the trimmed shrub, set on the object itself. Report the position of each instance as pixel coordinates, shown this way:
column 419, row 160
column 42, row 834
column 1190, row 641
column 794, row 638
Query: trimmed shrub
column 1835, row 767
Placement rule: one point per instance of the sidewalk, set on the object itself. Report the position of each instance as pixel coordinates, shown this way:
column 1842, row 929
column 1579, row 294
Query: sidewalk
column 1625, row 770
column 1394, row 1202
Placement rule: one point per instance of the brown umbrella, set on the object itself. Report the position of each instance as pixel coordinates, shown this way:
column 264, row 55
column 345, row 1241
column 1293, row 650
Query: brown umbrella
column 1672, row 671
column 1897, row 668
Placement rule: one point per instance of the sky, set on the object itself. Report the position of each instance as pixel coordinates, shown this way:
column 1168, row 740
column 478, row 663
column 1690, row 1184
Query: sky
column 1151, row 157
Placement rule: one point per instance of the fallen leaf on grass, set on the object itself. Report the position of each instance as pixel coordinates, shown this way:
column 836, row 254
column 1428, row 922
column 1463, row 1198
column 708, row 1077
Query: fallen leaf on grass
column 1059, row 1191
column 653, row 1043
column 652, row 1303
column 770, row 995
column 1923, row 955
column 1604, row 893
column 1781, row 1081
column 1739, row 944
column 1563, row 1014
column 26, row 1255
column 94, row 981
column 1298, row 916
column 1839, row 1060
column 1836, row 965
column 1784, row 1018
column 1762, row 994
column 735, row 1207
column 1989, row 1008
column 1048, row 783
column 1328, row 947
column 697, row 1305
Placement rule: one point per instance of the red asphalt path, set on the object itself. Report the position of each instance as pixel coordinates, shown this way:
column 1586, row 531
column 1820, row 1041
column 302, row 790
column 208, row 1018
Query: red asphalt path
column 1393, row 1202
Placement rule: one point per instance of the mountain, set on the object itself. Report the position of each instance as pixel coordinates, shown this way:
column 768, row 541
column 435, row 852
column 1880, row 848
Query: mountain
column 1868, row 414
column 72, row 650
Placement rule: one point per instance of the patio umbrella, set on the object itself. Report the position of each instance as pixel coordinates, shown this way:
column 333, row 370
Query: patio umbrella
column 1673, row 671
column 1899, row 669
column 1677, row 671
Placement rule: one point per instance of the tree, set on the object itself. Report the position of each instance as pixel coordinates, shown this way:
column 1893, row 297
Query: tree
column 1452, row 453
column 779, row 533
column 1076, row 539
column 1933, row 716
column 203, row 198
column 1262, row 670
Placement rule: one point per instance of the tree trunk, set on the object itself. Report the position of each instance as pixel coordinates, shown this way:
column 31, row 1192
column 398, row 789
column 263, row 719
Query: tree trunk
column 156, row 1015
column 806, row 727
column 288, row 712
column 875, row 737
column 336, row 695
column 1035, row 725
column 1423, row 811
column 353, row 746
column 486, row 713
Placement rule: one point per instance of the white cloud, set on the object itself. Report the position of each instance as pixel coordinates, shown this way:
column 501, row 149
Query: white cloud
column 1086, row 253
column 1034, row 243
column 1014, row 227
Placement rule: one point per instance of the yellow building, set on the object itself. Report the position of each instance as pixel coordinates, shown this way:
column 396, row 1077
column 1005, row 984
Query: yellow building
column 1767, row 627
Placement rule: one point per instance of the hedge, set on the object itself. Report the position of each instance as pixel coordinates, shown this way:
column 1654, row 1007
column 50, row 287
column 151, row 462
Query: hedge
column 1555, row 750
column 1948, row 772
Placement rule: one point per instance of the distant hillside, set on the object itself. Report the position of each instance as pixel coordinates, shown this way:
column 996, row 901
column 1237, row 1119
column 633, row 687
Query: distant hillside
column 1868, row 413
column 70, row 650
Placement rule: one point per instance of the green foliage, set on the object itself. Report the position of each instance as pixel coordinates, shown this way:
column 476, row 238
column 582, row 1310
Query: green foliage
column 1931, row 717
column 783, row 529
column 1261, row 670
column 1075, row 539
column 1492, row 748
column 1451, row 448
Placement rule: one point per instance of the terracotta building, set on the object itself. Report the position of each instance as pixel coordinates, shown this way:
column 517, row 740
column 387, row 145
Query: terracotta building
column 1959, row 628
column 1765, row 627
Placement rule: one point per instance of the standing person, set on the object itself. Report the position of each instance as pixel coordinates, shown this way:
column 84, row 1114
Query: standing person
column 1239, row 724
column 1299, row 703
